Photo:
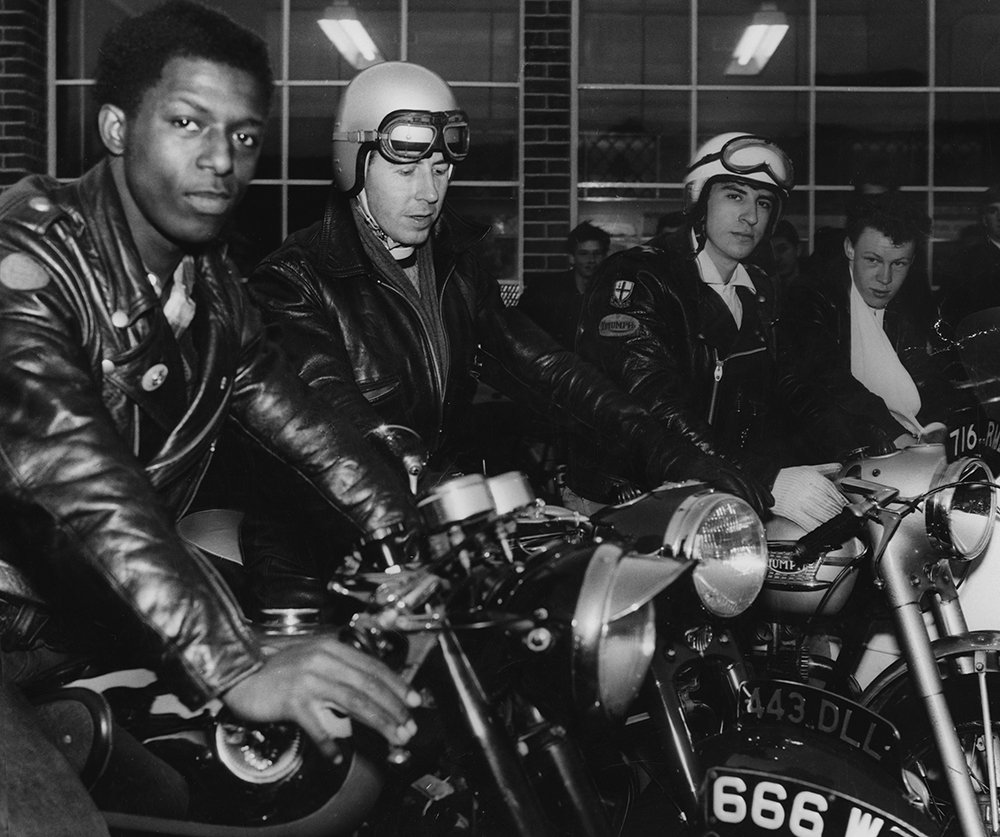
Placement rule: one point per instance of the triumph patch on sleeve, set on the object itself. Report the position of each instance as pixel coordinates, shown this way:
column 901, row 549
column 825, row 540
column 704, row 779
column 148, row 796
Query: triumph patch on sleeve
column 617, row 325
column 20, row 272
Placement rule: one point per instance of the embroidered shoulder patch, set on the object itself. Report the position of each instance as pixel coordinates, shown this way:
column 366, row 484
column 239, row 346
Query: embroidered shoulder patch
column 20, row 272
column 617, row 325
column 621, row 292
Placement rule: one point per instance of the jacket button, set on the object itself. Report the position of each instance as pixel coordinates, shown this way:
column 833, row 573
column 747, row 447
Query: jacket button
column 154, row 377
column 107, row 366
column 119, row 319
column 40, row 204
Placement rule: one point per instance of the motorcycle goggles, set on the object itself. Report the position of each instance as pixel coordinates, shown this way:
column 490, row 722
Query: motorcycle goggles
column 406, row 136
column 749, row 155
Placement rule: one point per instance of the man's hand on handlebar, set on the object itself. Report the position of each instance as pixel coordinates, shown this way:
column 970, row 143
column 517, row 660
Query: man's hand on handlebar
column 724, row 476
column 304, row 681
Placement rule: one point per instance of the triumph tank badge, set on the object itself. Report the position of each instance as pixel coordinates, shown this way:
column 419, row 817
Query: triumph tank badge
column 621, row 293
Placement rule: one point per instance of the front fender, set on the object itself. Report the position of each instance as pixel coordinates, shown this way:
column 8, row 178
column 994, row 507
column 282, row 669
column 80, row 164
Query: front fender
column 886, row 688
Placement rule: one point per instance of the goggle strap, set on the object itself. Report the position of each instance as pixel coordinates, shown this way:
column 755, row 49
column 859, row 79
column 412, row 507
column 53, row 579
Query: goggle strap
column 356, row 136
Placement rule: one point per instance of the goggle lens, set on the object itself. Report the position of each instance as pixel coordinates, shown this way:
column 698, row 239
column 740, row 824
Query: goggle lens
column 406, row 136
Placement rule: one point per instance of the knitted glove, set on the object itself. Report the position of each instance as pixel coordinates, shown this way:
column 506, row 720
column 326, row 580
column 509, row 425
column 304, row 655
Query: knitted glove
column 805, row 496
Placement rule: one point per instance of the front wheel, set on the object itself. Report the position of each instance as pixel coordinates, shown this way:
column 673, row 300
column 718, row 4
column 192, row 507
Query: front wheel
column 979, row 743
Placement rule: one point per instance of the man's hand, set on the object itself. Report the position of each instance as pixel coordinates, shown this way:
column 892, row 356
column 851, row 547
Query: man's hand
column 724, row 476
column 302, row 681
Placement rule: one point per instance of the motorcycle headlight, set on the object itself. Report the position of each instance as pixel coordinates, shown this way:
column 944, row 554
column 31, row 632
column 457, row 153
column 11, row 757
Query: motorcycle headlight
column 614, row 633
column 960, row 518
column 726, row 539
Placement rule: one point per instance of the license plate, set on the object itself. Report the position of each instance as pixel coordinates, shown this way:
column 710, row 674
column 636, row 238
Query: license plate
column 784, row 702
column 741, row 802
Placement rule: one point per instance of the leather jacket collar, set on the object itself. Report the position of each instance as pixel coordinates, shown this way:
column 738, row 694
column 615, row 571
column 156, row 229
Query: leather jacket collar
column 343, row 255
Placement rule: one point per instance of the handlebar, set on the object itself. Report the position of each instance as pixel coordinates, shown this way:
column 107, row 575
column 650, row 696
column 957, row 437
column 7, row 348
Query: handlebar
column 846, row 524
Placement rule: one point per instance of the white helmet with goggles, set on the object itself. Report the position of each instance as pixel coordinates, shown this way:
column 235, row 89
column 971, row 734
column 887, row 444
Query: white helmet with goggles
column 738, row 156
column 404, row 111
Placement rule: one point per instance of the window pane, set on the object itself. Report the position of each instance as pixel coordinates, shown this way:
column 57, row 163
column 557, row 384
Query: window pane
column 967, row 139
column 493, row 123
column 306, row 205
column 471, row 40
column 871, row 134
column 310, row 124
column 497, row 208
column 78, row 145
column 956, row 226
column 968, row 43
column 881, row 44
column 783, row 117
column 721, row 26
column 82, row 25
column 312, row 56
column 636, row 41
column 633, row 136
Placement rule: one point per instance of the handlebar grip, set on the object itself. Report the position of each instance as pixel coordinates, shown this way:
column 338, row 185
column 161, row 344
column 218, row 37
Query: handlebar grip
column 833, row 532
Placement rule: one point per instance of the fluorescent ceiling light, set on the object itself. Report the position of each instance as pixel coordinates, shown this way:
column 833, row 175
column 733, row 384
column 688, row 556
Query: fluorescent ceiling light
column 348, row 34
column 760, row 40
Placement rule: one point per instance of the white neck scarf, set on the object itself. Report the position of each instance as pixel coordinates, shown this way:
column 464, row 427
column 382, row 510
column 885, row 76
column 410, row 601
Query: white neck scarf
column 727, row 290
column 875, row 364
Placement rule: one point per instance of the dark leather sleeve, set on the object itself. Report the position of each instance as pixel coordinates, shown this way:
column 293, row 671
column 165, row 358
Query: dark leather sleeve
column 289, row 293
column 83, row 508
column 527, row 365
column 322, row 445
column 838, row 412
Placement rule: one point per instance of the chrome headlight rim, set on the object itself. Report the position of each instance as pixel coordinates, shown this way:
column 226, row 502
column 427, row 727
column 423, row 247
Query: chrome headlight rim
column 595, row 617
column 681, row 540
column 940, row 506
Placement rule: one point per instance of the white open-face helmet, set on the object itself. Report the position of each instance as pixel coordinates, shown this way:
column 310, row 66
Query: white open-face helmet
column 738, row 155
column 404, row 111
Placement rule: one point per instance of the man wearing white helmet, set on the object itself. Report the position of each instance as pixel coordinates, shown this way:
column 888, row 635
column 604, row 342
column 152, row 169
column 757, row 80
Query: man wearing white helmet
column 384, row 309
column 686, row 325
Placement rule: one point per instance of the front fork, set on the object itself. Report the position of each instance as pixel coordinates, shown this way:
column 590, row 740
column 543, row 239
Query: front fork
column 907, row 580
column 494, row 758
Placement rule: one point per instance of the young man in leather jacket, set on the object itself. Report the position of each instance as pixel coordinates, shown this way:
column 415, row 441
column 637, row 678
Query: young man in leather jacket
column 126, row 339
column 858, row 371
column 384, row 309
column 685, row 324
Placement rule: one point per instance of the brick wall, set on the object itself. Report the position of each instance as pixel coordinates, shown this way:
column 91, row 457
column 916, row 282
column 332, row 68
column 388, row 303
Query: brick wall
column 22, row 88
column 546, row 135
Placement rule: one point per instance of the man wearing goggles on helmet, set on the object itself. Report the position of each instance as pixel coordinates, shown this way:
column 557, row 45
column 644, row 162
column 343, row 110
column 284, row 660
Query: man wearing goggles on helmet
column 384, row 309
column 686, row 324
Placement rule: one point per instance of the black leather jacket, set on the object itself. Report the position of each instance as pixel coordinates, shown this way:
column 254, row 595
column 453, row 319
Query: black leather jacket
column 355, row 338
column 839, row 412
column 655, row 328
column 99, row 453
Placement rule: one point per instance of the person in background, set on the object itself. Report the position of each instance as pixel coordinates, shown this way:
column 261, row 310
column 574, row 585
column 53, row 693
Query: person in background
column 386, row 313
column 126, row 340
column 785, row 246
column 685, row 323
column 554, row 301
column 858, row 370
column 977, row 283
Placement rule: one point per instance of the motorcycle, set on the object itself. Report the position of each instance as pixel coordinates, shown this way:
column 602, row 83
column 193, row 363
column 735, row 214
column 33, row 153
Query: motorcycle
column 732, row 750
column 872, row 605
column 520, row 648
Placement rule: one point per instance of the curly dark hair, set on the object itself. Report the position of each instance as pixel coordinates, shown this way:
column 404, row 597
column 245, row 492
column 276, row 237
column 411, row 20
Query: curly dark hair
column 893, row 214
column 134, row 53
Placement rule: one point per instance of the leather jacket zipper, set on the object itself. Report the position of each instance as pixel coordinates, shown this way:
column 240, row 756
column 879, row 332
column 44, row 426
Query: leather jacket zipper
column 720, row 364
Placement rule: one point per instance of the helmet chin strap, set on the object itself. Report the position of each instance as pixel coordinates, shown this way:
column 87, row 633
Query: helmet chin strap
column 396, row 250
